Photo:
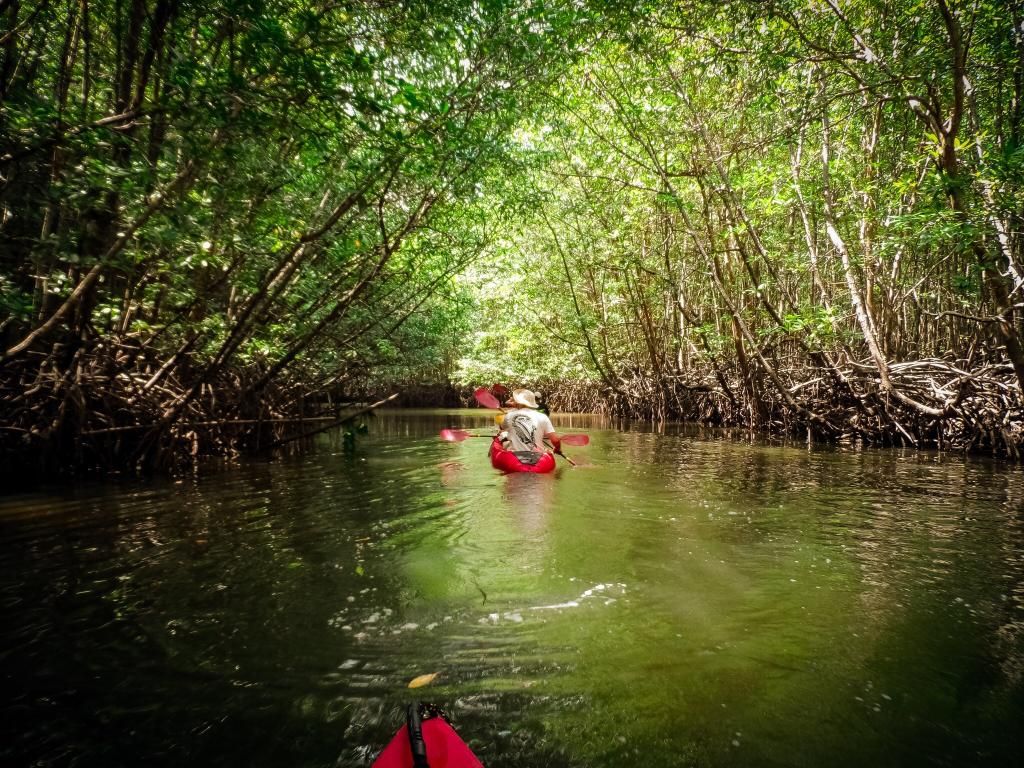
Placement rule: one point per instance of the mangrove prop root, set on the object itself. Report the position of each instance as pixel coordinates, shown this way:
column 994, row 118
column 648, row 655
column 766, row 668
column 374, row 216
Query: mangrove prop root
column 94, row 409
column 977, row 409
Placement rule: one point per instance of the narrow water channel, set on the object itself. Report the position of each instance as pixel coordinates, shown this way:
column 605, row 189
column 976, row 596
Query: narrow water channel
column 673, row 600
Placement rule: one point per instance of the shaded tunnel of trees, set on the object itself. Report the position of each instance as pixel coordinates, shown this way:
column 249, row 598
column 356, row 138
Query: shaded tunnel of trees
column 219, row 223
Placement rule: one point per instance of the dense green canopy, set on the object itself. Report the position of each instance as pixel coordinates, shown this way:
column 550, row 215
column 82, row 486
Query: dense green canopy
column 787, row 214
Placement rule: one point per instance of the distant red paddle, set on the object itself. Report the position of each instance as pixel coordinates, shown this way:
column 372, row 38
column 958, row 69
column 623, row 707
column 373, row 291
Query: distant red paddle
column 457, row 435
column 485, row 398
column 576, row 439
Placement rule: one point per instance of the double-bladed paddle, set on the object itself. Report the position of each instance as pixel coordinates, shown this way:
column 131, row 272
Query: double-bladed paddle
column 458, row 435
column 488, row 400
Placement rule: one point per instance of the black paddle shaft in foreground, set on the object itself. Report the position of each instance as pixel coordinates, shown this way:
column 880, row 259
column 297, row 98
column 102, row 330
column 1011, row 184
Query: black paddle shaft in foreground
column 416, row 742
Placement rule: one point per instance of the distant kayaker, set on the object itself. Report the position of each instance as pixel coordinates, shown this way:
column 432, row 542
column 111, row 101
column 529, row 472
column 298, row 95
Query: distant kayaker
column 525, row 428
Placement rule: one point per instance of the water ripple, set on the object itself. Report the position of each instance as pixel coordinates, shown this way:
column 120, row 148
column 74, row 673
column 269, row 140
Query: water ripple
column 671, row 592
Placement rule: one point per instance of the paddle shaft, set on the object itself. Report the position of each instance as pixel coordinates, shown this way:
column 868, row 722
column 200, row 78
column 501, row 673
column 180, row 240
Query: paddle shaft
column 559, row 452
column 416, row 743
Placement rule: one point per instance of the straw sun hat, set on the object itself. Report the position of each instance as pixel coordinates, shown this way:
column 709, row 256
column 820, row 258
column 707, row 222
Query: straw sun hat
column 525, row 398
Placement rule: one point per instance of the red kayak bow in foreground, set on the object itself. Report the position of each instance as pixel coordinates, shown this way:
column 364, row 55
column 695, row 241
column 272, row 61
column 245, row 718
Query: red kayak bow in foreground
column 426, row 743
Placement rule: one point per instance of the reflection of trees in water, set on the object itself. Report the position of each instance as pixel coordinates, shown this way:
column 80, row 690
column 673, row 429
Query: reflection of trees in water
column 1010, row 634
column 928, row 547
column 940, row 538
column 451, row 474
column 529, row 497
column 418, row 424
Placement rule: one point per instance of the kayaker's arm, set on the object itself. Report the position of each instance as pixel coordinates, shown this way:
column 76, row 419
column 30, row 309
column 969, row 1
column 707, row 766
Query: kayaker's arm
column 555, row 440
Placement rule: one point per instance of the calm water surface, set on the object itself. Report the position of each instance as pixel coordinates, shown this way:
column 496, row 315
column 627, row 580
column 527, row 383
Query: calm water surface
column 674, row 600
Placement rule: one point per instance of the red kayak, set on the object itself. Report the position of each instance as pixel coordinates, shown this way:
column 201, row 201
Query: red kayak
column 519, row 461
column 426, row 743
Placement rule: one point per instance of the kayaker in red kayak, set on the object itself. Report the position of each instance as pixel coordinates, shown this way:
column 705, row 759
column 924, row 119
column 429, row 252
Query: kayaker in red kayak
column 525, row 428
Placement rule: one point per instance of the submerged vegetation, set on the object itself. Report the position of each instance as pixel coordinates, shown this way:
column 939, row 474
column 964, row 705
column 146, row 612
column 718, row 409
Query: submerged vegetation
column 791, row 216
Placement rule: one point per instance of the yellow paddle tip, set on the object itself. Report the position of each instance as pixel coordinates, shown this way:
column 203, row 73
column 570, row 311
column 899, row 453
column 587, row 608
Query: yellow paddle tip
column 419, row 682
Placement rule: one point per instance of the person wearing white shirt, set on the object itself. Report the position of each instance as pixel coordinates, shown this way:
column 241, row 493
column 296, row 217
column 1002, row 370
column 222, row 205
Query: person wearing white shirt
column 525, row 428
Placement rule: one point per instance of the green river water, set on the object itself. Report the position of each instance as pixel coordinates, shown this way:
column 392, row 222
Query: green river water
column 676, row 599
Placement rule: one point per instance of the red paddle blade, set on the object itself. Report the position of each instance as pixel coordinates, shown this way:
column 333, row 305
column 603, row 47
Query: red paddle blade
column 454, row 435
column 576, row 439
column 485, row 398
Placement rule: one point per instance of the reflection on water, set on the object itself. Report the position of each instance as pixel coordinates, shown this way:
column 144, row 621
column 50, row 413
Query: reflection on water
column 528, row 498
column 678, row 599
